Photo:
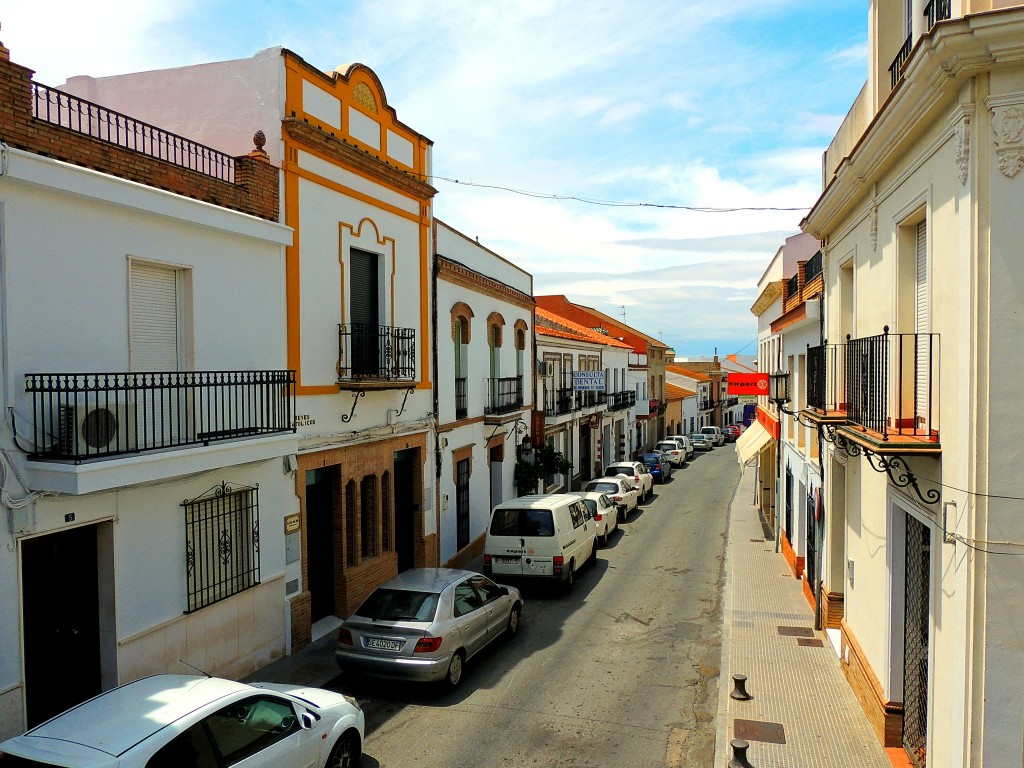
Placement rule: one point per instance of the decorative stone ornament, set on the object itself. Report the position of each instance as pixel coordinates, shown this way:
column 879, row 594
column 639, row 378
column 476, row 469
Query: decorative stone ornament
column 873, row 227
column 259, row 139
column 963, row 147
column 1008, row 124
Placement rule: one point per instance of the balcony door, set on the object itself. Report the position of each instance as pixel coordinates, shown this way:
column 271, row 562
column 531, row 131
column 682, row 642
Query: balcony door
column 364, row 313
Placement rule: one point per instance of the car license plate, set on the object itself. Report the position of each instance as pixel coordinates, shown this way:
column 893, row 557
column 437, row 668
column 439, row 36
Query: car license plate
column 383, row 644
column 506, row 560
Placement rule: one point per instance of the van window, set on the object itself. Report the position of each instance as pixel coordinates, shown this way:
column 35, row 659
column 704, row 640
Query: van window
column 522, row 522
column 578, row 515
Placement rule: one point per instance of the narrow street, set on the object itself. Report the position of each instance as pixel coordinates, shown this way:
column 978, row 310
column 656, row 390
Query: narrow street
column 621, row 672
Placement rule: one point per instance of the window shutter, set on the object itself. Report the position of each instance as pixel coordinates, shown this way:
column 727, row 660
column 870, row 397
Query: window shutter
column 363, row 298
column 923, row 342
column 153, row 317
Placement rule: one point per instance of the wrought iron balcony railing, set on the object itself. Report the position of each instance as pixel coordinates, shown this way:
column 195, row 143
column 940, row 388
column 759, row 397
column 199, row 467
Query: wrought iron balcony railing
column 461, row 399
column 620, row 401
column 812, row 268
column 63, row 109
column 79, row 416
column 793, row 285
column 938, row 10
column 895, row 69
column 376, row 353
column 826, row 383
column 564, row 401
column 504, row 395
column 588, row 399
column 891, row 383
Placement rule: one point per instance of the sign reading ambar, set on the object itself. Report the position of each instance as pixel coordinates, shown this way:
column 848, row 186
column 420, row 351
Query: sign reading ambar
column 748, row 384
column 588, row 381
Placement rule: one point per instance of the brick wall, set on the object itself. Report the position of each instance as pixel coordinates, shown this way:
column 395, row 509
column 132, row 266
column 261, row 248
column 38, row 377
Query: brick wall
column 255, row 190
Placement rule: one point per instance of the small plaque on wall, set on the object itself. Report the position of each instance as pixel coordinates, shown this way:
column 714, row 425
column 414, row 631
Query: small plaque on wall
column 291, row 523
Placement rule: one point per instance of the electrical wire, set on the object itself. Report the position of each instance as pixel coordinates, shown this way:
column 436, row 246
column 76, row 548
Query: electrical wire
column 610, row 203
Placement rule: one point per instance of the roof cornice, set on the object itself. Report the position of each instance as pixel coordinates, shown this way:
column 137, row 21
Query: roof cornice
column 771, row 293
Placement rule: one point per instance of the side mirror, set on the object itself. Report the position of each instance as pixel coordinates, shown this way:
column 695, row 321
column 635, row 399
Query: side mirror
column 307, row 720
column 503, row 592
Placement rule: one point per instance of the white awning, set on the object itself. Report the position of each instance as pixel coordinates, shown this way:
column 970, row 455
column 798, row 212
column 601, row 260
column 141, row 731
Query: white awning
column 750, row 443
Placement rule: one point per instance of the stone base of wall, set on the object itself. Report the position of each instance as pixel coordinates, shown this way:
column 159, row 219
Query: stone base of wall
column 809, row 594
column 301, row 606
column 832, row 608
column 796, row 564
column 885, row 717
column 474, row 549
column 230, row 639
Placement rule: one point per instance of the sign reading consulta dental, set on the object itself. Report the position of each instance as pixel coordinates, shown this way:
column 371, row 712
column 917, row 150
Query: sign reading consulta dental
column 748, row 384
column 588, row 381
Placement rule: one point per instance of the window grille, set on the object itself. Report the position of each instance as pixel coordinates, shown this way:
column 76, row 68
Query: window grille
column 462, row 504
column 385, row 512
column 222, row 544
column 350, row 522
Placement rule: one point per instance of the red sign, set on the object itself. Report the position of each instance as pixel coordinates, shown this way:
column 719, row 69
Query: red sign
column 748, row 384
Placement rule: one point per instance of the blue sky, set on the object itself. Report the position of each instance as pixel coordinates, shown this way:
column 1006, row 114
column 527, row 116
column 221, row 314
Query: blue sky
column 670, row 103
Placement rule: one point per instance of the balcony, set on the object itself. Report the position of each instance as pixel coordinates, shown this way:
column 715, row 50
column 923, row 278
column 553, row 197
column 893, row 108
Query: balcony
column 461, row 399
column 620, row 401
column 376, row 356
column 938, row 10
column 896, row 68
column 504, row 395
column 882, row 391
column 79, row 417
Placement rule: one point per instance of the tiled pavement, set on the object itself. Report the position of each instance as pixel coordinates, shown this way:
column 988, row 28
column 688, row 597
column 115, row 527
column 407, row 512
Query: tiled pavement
column 799, row 686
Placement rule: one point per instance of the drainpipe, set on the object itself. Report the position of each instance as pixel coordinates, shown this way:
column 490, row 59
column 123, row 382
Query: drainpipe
column 433, row 390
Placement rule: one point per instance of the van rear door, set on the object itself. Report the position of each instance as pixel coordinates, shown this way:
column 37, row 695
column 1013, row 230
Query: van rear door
column 514, row 537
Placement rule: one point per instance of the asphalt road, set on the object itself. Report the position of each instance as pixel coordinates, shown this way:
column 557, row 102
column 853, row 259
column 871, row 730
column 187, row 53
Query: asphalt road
column 621, row 672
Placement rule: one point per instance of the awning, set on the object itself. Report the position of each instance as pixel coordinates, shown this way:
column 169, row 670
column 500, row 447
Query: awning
column 750, row 443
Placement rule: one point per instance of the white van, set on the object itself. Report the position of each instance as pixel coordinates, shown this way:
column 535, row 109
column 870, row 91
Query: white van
column 545, row 537
column 715, row 433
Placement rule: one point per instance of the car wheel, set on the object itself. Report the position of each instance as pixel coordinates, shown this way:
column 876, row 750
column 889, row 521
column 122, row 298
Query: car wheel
column 346, row 752
column 592, row 560
column 513, row 621
column 620, row 515
column 455, row 667
column 570, row 579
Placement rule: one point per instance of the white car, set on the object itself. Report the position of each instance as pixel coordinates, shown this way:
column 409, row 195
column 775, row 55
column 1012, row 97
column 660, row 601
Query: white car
column 605, row 514
column 174, row 721
column 685, row 442
column 715, row 433
column 636, row 471
column 676, row 453
column 620, row 490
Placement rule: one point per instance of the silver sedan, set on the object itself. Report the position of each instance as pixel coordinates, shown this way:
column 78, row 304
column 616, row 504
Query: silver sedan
column 426, row 623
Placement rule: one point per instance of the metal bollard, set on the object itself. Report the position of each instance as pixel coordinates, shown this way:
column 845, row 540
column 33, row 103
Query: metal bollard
column 739, row 754
column 739, row 688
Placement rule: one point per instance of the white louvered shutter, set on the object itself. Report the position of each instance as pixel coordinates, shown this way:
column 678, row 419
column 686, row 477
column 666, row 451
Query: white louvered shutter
column 154, row 318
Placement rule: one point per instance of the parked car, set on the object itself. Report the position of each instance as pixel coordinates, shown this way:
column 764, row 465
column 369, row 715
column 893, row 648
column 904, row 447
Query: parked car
column 635, row 471
column 604, row 513
column 659, row 465
column 426, row 623
column 715, row 433
column 701, row 442
column 621, row 491
column 167, row 721
column 686, row 443
column 545, row 537
column 675, row 452
column 731, row 432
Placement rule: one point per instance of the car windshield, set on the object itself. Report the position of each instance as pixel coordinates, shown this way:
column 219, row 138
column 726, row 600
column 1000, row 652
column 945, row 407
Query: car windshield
column 399, row 605
column 522, row 522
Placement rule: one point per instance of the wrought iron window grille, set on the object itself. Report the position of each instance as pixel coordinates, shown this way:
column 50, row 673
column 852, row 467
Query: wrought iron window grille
column 222, row 544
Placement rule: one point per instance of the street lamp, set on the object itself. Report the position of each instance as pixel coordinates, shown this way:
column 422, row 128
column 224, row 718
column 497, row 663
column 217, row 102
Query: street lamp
column 779, row 390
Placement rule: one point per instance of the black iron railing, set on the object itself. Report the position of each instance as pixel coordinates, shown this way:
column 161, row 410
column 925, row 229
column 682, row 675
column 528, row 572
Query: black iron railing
column 706, row 404
column 730, row 402
column 81, row 116
column 461, row 399
column 825, row 377
column 812, row 268
column 793, row 286
column 376, row 352
column 620, row 401
column 504, row 395
column 564, row 401
column 901, row 59
column 938, row 10
column 78, row 416
column 891, row 383
column 585, row 399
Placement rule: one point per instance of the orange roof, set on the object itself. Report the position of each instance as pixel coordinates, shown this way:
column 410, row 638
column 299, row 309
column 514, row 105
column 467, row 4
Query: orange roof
column 695, row 375
column 559, row 303
column 574, row 330
column 678, row 393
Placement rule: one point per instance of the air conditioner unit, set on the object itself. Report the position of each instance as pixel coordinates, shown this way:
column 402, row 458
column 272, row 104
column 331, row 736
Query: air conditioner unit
column 545, row 368
column 96, row 429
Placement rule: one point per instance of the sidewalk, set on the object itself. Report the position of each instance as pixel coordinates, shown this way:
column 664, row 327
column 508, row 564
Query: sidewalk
column 799, row 687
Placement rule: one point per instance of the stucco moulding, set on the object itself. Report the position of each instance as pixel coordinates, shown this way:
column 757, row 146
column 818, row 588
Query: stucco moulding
column 1008, row 124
